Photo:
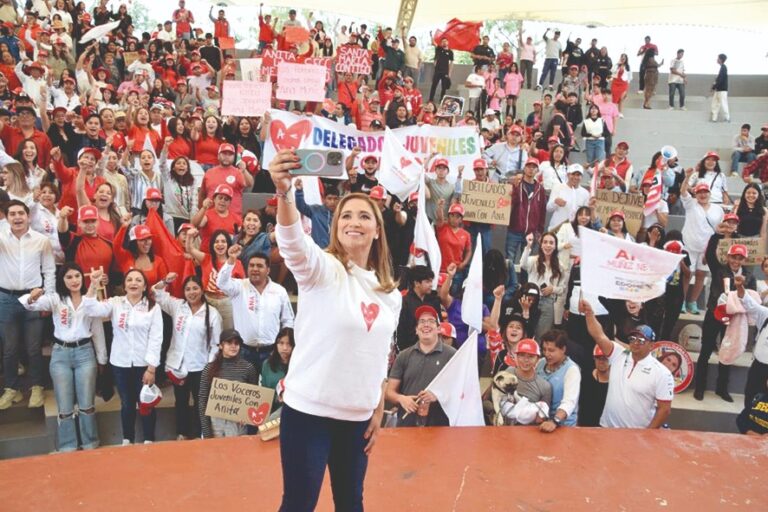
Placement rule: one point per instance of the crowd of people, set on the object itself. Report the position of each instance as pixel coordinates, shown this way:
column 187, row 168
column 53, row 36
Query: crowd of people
column 103, row 141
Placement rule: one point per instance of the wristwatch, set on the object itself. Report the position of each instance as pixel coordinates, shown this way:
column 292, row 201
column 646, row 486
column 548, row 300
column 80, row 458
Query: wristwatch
column 557, row 421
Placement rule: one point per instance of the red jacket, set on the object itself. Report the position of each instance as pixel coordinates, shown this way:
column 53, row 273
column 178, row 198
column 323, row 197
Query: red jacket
column 266, row 32
column 528, row 213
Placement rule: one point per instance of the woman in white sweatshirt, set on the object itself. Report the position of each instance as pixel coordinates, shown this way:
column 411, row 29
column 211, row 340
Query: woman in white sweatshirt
column 348, row 310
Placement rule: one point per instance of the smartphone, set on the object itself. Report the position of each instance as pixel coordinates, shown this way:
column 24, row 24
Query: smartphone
column 319, row 162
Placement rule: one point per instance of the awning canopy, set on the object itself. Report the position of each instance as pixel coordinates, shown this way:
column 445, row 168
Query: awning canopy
column 737, row 14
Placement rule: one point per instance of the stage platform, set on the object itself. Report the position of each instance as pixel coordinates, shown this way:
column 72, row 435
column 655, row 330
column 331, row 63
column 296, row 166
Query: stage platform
column 420, row 469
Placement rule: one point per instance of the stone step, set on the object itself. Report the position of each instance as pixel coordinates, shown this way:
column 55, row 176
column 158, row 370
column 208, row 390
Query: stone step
column 713, row 414
column 25, row 438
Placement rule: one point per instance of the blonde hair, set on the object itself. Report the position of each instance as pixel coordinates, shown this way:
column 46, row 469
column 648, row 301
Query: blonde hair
column 16, row 181
column 379, row 258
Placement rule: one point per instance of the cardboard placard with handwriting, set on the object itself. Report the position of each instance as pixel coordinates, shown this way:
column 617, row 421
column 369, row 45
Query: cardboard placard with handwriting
column 756, row 248
column 237, row 401
column 129, row 57
column 631, row 204
column 485, row 202
column 245, row 99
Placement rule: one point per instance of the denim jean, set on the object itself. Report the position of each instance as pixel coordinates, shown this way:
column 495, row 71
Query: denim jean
column 20, row 327
column 310, row 443
column 254, row 357
column 73, row 371
column 514, row 249
column 681, row 90
column 187, row 417
column 129, row 383
column 595, row 150
column 739, row 156
column 550, row 68
column 484, row 230
column 227, row 428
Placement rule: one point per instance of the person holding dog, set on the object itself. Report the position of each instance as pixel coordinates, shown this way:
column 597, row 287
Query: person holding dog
column 348, row 310
column 536, row 391
column 414, row 369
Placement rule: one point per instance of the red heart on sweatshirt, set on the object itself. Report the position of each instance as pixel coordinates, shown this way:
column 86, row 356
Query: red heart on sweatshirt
column 257, row 415
column 503, row 203
column 370, row 312
column 289, row 137
column 404, row 162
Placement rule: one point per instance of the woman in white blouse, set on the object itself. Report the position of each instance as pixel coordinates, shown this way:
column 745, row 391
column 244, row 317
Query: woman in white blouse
column 78, row 346
column 708, row 171
column 137, row 329
column 554, row 171
column 196, row 329
column 45, row 217
column 544, row 270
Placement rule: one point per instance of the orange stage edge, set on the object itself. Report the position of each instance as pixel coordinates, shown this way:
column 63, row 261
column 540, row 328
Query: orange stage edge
column 420, row 469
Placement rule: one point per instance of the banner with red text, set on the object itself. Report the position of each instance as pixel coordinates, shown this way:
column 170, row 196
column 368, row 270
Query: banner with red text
column 618, row 269
column 353, row 59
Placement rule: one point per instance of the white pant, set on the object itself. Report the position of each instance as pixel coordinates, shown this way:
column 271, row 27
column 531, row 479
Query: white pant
column 720, row 103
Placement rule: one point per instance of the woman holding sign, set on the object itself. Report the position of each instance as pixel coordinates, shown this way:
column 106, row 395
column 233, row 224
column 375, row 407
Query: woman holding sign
column 349, row 291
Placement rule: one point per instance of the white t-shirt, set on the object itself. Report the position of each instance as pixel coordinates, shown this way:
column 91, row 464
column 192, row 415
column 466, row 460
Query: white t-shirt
column 552, row 177
column 478, row 81
column 574, row 199
column 633, row 390
column 554, row 49
column 493, row 125
column 699, row 223
column 679, row 66
column 717, row 185
column 652, row 219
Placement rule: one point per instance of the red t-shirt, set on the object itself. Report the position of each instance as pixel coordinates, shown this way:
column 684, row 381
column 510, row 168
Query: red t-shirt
column 67, row 176
column 230, row 223
column 210, row 274
column 106, row 229
column 266, row 33
column 139, row 134
column 220, row 28
column 92, row 252
column 179, row 147
column 452, row 245
column 231, row 176
column 12, row 137
column 207, row 150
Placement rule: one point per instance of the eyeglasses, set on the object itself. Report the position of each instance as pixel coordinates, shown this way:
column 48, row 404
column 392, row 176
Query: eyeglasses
column 637, row 339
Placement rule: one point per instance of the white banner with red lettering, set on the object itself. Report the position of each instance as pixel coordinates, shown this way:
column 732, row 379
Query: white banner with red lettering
column 353, row 59
column 460, row 145
column 399, row 171
column 618, row 269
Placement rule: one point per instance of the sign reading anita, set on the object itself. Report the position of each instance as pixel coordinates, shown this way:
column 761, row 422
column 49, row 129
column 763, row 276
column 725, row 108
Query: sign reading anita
column 487, row 203
column 238, row 401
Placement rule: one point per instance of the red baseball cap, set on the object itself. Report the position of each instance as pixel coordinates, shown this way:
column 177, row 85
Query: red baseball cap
column 701, row 187
column 479, row 163
column 598, row 352
column 377, row 192
column 226, row 147
column 516, row 129
column 622, row 144
column 57, row 110
column 224, row 189
column 528, row 346
column 185, row 226
column 149, row 397
column 425, row 310
column 88, row 212
column 153, row 194
column 674, row 246
column 738, row 250
column 178, row 377
column 532, row 161
column 93, row 151
column 553, row 139
column 712, row 154
column 139, row 232
column 730, row 216
column 456, row 208
column 440, row 162
column 617, row 213
column 447, row 330
column 142, row 52
column 369, row 157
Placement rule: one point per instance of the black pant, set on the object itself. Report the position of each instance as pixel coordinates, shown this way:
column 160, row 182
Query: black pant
column 188, row 417
column 642, row 77
column 445, row 83
column 756, row 381
column 673, row 300
column 710, row 330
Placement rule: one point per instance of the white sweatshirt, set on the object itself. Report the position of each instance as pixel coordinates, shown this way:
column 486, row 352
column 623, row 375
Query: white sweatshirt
column 343, row 328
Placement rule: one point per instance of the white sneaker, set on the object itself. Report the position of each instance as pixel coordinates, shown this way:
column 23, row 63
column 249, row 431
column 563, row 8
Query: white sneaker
column 671, row 108
column 126, row 442
column 621, row 116
column 683, row 109
column 181, row 437
column 538, row 87
column 37, row 398
column 148, row 442
column 640, row 92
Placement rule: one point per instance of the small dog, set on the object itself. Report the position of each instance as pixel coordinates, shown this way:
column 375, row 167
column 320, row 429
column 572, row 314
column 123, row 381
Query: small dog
column 504, row 388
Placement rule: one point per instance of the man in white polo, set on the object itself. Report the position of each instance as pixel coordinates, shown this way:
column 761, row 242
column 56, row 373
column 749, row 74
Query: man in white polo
column 640, row 388
column 260, row 307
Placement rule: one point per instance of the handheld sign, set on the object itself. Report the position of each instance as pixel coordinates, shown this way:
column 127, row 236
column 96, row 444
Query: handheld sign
column 756, row 249
column 485, row 202
column 631, row 204
column 353, row 59
column 302, row 82
column 245, row 99
column 238, row 401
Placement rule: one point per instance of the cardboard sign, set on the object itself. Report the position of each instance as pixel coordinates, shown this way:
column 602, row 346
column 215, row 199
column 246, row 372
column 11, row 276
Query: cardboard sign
column 238, row 401
column 250, row 69
column 630, row 204
column 270, row 59
column 487, row 203
column 320, row 61
column 302, row 82
column 756, row 248
column 296, row 35
column 130, row 57
column 226, row 43
column 353, row 59
column 245, row 99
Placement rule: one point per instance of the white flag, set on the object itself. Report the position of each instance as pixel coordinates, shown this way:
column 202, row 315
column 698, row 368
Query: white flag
column 617, row 269
column 472, row 302
column 399, row 170
column 457, row 387
column 424, row 235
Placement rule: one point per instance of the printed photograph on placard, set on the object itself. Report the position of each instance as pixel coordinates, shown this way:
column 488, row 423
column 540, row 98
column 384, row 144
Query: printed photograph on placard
column 451, row 106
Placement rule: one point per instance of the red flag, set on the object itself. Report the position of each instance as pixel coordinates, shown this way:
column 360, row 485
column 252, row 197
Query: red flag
column 461, row 35
column 168, row 248
column 653, row 198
